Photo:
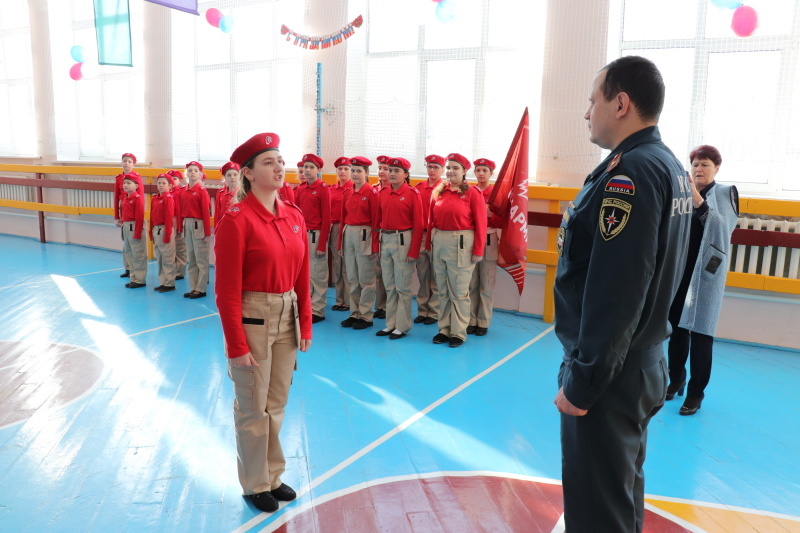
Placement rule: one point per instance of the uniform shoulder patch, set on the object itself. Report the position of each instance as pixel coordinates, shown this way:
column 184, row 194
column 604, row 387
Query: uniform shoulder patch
column 614, row 215
column 621, row 184
column 614, row 162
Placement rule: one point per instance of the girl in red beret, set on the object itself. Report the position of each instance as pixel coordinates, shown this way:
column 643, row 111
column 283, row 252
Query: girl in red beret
column 481, row 287
column 457, row 215
column 128, row 162
column 428, row 293
column 338, row 267
column 179, row 184
column 262, row 290
column 194, row 218
column 230, row 183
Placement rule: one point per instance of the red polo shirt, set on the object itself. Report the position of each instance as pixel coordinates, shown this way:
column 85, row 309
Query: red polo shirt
column 401, row 210
column 425, row 192
column 337, row 196
column 315, row 203
column 162, row 213
column 119, row 192
column 223, row 200
column 195, row 203
column 261, row 252
column 455, row 211
column 360, row 208
column 132, row 210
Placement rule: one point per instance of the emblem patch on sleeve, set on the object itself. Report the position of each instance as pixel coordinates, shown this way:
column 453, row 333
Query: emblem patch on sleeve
column 621, row 184
column 614, row 214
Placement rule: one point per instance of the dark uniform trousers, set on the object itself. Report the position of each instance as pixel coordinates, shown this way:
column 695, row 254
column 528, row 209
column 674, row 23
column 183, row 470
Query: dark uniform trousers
column 605, row 496
column 262, row 392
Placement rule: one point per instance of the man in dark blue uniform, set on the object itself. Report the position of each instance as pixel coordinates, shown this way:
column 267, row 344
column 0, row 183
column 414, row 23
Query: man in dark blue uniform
column 622, row 247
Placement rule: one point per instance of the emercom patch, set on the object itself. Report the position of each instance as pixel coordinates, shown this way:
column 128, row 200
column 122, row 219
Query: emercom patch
column 614, row 214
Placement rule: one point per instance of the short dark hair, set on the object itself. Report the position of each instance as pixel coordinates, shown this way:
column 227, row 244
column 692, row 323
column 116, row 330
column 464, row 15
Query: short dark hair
column 706, row 151
column 641, row 80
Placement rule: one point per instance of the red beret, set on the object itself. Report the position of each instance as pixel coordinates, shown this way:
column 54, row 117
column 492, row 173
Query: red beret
column 166, row 175
column 361, row 161
column 195, row 163
column 483, row 162
column 129, row 155
column 436, row 159
column 300, row 164
column 177, row 174
column 229, row 166
column 383, row 159
column 257, row 144
column 399, row 162
column 460, row 159
column 314, row 159
column 129, row 177
column 342, row 161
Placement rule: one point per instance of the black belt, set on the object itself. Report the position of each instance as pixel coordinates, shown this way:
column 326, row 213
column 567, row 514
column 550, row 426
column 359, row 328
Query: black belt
column 395, row 230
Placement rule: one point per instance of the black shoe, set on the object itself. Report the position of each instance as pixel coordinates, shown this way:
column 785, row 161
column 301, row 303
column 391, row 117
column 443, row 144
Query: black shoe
column 362, row 324
column 316, row 318
column 284, row 493
column 179, row 277
column 344, row 308
column 166, row 289
column 419, row 320
column 157, row 289
column 470, row 330
column 455, row 342
column 135, row 285
column 380, row 313
column 690, row 406
column 349, row 322
column 480, row 332
column 430, row 320
column 264, row 502
column 196, row 295
column 187, row 295
column 336, row 307
column 440, row 338
column 674, row 389
column 394, row 336
column 128, row 285
column 127, row 274
column 383, row 333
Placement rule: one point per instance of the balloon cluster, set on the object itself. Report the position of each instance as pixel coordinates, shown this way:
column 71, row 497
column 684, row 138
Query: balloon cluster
column 745, row 18
column 446, row 10
column 224, row 22
column 78, row 53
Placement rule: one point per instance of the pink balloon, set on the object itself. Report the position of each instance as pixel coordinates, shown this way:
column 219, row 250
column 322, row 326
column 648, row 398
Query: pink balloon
column 745, row 21
column 213, row 16
column 75, row 71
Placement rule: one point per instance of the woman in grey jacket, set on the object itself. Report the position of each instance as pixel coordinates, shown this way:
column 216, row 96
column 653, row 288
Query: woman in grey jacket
column 698, row 302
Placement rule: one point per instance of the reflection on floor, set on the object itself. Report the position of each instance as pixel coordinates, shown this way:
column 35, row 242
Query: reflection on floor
column 115, row 415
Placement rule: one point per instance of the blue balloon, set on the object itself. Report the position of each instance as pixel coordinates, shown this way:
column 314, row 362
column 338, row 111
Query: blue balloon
column 727, row 4
column 78, row 53
column 226, row 23
column 446, row 10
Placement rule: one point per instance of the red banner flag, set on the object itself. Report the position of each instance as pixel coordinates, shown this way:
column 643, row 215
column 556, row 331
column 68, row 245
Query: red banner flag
column 509, row 200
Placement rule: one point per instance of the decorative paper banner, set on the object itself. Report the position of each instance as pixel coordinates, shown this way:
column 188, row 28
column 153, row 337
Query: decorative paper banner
column 112, row 23
column 189, row 6
column 321, row 42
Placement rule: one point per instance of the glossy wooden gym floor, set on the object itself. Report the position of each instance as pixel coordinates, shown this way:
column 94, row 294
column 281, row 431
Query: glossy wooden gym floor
column 115, row 415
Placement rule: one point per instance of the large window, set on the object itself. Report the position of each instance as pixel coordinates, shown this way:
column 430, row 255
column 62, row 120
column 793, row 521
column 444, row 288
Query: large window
column 18, row 130
column 432, row 81
column 101, row 115
column 227, row 87
column 740, row 94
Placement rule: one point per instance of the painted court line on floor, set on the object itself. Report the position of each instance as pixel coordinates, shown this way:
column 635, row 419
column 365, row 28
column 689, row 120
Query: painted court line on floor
column 391, row 433
column 49, row 278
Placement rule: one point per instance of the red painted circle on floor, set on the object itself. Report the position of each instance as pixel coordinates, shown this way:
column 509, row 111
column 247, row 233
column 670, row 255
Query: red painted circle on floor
column 447, row 504
column 43, row 375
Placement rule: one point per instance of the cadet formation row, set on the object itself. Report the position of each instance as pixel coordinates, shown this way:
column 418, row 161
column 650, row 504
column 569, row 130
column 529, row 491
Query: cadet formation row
column 375, row 236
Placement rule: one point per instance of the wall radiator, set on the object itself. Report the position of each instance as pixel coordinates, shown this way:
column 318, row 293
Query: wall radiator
column 775, row 261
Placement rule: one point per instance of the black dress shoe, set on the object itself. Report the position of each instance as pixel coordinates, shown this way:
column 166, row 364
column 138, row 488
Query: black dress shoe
column 394, row 336
column 470, row 330
column 380, row 313
column 135, row 285
column 362, row 324
column 419, row 320
column 344, row 308
column 316, row 318
column 187, row 294
column 430, row 320
column 690, row 406
column 166, row 289
column 284, row 493
column 127, row 274
column 336, row 307
column 349, row 322
column 455, row 342
column 440, row 338
column 383, row 333
column 480, row 332
column 196, row 295
column 179, row 277
column 158, row 288
column 674, row 389
column 127, row 284
column 264, row 502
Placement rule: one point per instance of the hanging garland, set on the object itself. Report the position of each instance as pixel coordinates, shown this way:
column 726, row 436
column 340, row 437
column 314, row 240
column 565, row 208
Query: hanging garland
column 321, row 42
